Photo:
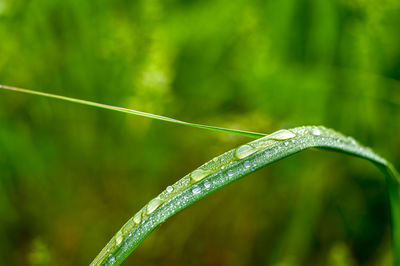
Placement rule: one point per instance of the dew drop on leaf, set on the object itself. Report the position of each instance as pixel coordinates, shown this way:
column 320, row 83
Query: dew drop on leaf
column 315, row 131
column 196, row 190
column 118, row 238
column 198, row 175
column 244, row 151
column 137, row 218
column 111, row 259
column 170, row 189
column 281, row 135
column 153, row 205
column 351, row 140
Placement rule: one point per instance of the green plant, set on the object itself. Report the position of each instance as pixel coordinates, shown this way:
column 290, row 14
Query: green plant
column 227, row 168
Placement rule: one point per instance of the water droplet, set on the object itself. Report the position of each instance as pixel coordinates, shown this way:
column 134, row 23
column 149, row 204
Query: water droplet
column 207, row 184
column 301, row 130
column 244, row 151
column 293, row 141
column 223, row 167
column 111, row 259
column 315, row 131
column 198, row 175
column 230, row 173
column 281, row 135
column 125, row 246
column 246, row 164
column 118, row 238
column 137, row 218
column 153, row 205
column 170, row 189
column 196, row 190
column 286, row 143
column 184, row 181
column 351, row 140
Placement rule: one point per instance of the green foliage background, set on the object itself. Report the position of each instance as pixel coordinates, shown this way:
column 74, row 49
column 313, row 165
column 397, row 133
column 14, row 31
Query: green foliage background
column 71, row 175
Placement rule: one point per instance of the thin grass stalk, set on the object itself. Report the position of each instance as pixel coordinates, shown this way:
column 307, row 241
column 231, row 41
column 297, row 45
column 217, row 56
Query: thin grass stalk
column 135, row 112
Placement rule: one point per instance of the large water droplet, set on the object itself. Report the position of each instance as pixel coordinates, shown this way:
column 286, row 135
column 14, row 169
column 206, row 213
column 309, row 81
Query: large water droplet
column 281, row 135
column 137, row 218
column 198, row 175
column 230, row 173
column 352, row 140
column 128, row 227
column 118, row 238
column 170, row 189
column 244, row 151
column 196, row 190
column 247, row 164
column 153, row 205
column 315, row 131
column 207, row 184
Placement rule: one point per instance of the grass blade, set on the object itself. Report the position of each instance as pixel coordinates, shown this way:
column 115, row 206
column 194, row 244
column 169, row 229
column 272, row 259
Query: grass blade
column 236, row 164
column 227, row 168
column 135, row 112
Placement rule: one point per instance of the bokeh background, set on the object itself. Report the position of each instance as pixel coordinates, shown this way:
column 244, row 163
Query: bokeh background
column 71, row 175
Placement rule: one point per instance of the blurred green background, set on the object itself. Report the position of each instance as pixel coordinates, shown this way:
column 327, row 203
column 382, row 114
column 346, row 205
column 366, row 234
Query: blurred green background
column 71, row 175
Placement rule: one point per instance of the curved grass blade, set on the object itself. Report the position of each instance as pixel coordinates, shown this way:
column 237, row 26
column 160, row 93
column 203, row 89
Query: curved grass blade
column 176, row 197
column 231, row 166
column 135, row 112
